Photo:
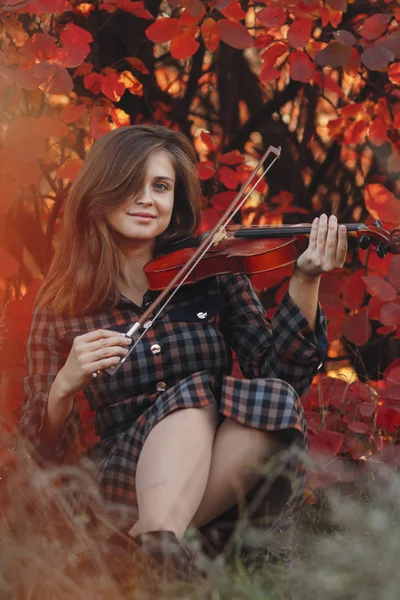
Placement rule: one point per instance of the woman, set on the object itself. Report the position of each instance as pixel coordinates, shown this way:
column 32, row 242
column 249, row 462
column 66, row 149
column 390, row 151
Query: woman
column 179, row 434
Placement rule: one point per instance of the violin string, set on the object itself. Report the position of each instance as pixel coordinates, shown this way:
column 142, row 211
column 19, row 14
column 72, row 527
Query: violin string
column 207, row 247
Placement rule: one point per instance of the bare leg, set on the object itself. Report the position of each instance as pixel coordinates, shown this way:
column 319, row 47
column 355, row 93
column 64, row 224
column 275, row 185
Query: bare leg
column 173, row 469
column 237, row 452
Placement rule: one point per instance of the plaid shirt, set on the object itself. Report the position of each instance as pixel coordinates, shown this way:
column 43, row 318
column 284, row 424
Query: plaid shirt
column 184, row 360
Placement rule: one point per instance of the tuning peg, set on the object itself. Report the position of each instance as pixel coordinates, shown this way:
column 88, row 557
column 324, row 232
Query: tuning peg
column 365, row 241
column 381, row 250
column 377, row 223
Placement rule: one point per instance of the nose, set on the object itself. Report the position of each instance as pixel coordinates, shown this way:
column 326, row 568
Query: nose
column 145, row 197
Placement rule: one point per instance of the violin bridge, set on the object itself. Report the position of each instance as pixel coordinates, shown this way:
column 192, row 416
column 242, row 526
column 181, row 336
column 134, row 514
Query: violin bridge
column 219, row 236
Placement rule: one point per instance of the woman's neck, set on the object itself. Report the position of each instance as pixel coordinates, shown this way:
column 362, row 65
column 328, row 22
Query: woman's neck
column 132, row 276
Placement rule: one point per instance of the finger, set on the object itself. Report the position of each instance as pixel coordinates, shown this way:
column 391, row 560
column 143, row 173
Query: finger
column 312, row 243
column 321, row 236
column 108, row 353
column 331, row 241
column 341, row 250
column 115, row 340
column 99, row 334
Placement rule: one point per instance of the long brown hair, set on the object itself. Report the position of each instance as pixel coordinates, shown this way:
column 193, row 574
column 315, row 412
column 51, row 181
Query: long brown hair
column 83, row 275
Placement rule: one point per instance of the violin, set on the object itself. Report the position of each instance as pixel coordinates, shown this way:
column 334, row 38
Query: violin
column 234, row 249
column 257, row 249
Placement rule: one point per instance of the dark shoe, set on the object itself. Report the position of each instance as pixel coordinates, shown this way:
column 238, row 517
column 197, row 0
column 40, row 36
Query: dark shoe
column 166, row 550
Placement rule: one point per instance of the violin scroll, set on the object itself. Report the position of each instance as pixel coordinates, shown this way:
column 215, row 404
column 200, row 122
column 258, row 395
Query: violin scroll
column 384, row 241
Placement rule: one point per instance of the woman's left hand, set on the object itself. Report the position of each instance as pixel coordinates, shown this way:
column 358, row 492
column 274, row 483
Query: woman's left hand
column 327, row 247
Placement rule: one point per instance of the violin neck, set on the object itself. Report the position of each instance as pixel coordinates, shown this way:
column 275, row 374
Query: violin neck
column 285, row 231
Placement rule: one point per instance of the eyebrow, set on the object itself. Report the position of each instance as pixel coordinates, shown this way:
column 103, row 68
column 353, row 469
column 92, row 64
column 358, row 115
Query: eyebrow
column 158, row 177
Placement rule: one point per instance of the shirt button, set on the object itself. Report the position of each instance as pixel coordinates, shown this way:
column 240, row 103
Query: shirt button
column 161, row 386
column 202, row 315
column 155, row 349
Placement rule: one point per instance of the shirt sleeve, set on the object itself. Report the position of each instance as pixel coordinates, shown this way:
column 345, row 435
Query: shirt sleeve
column 44, row 359
column 285, row 348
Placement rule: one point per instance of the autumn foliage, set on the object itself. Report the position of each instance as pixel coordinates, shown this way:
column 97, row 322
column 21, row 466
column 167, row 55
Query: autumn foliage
column 320, row 78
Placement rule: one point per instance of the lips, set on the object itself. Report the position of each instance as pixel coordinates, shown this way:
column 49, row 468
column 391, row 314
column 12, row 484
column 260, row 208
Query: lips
column 142, row 214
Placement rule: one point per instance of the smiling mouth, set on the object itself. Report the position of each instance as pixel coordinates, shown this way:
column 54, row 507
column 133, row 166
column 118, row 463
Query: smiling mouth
column 142, row 215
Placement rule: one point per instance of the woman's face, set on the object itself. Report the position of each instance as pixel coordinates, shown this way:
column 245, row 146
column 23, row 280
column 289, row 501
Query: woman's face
column 144, row 217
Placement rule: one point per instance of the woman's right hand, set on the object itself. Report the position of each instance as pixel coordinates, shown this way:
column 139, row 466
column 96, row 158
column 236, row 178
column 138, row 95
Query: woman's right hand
column 91, row 352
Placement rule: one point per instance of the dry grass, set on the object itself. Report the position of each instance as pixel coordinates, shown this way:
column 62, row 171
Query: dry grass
column 53, row 525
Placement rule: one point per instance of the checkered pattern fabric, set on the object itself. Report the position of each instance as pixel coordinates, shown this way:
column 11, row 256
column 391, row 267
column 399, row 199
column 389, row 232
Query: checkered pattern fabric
column 184, row 360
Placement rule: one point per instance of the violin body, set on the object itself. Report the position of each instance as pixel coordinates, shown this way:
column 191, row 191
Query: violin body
column 255, row 250
column 229, row 256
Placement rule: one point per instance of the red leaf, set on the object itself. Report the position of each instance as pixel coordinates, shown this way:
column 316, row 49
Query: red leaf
column 380, row 288
column 378, row 131
column 361, row 390
column 51, row 127
column 269, row 74
column 358, row 427
column 367, row 409
column 209, row 219
column 205, row 169
column 388, row 418
column 45, row 44
column 381, row 203
column 8, row 265
column 390, row 314
column 394, row 73
column 375, row 26
column 392, row 380
column 70, row 169
column 232, row 158
column 136, row 63
column 22, row 141
column 345, row 37
column 338, row 4
column 234, row 34
column 354, row 293
column 394, row 271
column 209, row 33
column 72, row 112
column 233, row 11
column 374, row 308
column 208, row 141
column 222, row 200
column 112, row 86
column 271, row 55
column 184, row 44
column 73, row 56
column 72, row 35
column 355, row 133
column 229, row 177
column 326, row 443
column 299, row 33
column 272, row 16
column 334, row 55
column 61, row 82
column 138, row 9
column 391, row 42
column 352, row 110
column 92, row 82
column 163, row 30
column 357, row 328
column 301, row 67
column 377, row 58
column 325, row 81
